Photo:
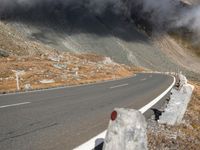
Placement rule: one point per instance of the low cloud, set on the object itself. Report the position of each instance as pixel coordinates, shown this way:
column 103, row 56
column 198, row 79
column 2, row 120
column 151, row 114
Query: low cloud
column 162, row 13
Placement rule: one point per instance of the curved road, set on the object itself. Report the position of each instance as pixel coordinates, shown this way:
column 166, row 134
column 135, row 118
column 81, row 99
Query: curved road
column 61, row 119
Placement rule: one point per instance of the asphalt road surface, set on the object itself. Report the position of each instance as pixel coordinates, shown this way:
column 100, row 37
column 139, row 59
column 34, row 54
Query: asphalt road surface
column 61, row 119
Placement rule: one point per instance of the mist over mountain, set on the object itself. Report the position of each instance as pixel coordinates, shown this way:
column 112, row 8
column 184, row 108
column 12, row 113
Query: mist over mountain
column 160, row 13
column 50, row 6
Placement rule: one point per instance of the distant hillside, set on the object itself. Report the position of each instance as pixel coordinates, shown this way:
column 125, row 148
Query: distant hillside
column 187, row 38
column 15, row 43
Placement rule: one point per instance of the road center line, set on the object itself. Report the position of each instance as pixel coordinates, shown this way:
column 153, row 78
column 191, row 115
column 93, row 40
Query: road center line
column 143, row 79
column 117, row 86
column 12, row 105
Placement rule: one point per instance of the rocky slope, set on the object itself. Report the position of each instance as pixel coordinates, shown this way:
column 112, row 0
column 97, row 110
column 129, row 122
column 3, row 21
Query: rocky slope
column 182, row 56
column 77, row 30
column 43, row 66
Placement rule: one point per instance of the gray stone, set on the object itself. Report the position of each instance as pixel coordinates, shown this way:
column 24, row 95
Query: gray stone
column 60, row 66
column 127, row 132
column 47, row 81
column 27, row 87
column 54, row 58
column 4, row 53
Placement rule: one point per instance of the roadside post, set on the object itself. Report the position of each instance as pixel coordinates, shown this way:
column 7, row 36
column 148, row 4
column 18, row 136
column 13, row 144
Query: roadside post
column 18, row 73
column 126, row 131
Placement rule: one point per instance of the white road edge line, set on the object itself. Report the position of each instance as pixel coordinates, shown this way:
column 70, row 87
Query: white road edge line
column 90, row 145
column 153, row 102
column 117, row 86
column 12, row 105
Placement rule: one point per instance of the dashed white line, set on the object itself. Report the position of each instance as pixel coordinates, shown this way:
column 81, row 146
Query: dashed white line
column 143, row 79
column 12, row 105
column 117, row 86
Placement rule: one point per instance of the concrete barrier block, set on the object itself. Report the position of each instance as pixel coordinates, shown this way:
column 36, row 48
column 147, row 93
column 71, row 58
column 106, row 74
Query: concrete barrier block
column 175, row 110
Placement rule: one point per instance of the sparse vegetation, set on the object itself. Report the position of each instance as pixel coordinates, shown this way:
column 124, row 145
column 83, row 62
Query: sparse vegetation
column 71, row 69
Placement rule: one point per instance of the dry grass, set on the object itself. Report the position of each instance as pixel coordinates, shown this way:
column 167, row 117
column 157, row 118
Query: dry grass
column 43, row 68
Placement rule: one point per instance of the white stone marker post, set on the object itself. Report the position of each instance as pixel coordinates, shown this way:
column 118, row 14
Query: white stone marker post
column 17, row 74
column 126, row 131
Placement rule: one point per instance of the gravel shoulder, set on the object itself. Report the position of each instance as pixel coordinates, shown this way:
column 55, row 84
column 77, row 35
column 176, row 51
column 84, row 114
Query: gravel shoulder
column 183, row 136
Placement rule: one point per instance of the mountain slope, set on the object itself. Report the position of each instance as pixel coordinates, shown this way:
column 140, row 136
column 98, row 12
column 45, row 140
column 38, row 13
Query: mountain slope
column 78, row 30
column 81, row 31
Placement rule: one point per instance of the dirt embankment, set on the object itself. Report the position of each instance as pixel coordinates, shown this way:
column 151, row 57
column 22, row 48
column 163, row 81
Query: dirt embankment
column 183, row 136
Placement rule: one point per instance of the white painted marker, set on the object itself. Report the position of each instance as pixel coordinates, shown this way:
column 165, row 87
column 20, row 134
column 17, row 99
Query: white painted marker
column 12, row 105
column 143, row 79
column 117, row 86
